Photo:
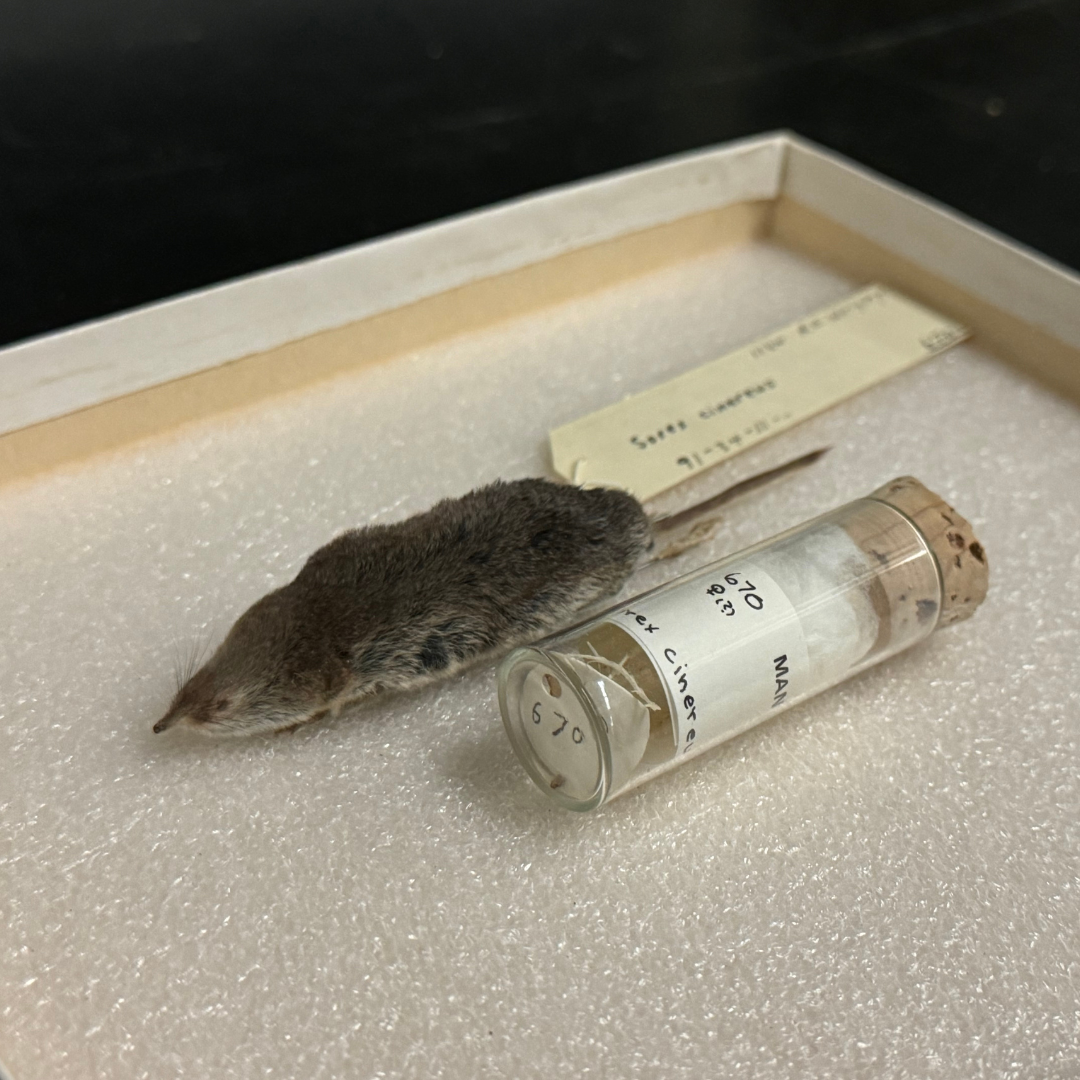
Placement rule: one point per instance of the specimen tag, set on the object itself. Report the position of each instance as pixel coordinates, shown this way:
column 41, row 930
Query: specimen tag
column 729, row 647
column 653, row 440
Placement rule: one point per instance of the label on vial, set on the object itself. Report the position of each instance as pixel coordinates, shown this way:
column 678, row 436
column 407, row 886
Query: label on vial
column 559, row 732
column 729, row 648
column 556, row 727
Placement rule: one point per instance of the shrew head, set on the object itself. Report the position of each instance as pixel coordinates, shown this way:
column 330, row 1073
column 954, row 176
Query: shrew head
column 260, row 679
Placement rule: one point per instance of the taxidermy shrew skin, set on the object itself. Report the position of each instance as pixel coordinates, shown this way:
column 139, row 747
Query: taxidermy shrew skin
column 393, row 607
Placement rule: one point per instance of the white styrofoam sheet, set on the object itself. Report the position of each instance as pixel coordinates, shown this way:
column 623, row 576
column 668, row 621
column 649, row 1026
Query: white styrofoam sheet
column 884, row 882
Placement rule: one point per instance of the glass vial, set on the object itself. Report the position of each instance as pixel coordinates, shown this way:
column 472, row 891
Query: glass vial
column 598, row 709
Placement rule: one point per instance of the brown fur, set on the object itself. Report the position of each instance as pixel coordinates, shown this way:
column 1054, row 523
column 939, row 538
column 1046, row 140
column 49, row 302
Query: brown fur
column 396, row 606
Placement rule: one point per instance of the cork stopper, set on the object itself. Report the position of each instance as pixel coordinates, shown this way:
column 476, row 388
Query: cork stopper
column 964, row 570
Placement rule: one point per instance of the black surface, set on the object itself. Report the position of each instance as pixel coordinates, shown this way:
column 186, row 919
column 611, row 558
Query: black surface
column 150, row 147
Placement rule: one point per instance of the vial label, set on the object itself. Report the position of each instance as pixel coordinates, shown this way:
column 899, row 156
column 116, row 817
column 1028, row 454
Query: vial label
column 728, row 647
column 560, row 734
column 555, row 726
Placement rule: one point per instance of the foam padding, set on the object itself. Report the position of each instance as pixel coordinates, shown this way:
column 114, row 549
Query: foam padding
column 882, row 882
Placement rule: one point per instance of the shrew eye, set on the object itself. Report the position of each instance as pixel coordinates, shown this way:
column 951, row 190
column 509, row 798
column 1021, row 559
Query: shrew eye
column 221, row 705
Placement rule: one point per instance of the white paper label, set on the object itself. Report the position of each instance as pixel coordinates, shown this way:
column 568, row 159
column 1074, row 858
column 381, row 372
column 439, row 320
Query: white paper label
column 729, row 648
column 651, row 441
column 561, row 736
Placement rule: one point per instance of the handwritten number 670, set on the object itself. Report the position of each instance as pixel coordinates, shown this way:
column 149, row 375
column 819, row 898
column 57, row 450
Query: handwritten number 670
column 747, row 589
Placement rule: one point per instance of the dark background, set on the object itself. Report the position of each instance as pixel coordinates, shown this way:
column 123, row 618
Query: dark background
column 153, row 146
